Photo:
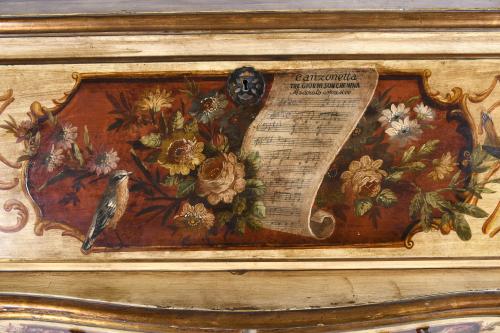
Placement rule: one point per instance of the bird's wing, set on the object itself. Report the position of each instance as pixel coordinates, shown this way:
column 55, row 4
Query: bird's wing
column 103, row 214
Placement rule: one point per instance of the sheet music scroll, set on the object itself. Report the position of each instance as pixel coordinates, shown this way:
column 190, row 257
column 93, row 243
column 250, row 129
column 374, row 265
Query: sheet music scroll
column 308, row 116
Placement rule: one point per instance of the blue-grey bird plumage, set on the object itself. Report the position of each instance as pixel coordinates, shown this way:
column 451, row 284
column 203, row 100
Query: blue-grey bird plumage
column 110, row 209
column 492, row 141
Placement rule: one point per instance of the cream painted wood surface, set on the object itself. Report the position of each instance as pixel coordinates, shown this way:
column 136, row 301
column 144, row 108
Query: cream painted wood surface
column 379, row 45
column 39, row 69
column 46, row 82
column 253, row 290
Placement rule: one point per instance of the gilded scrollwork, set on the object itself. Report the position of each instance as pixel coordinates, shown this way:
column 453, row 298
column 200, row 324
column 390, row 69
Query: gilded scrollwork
column 450, row 98
column 491, row 144
column 12, row 204
column 22, row 215
column 6, row 99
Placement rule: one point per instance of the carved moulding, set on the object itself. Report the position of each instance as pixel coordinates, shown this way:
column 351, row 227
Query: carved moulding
column 161, row 320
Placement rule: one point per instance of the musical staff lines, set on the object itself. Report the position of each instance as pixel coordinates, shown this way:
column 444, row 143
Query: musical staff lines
column 292, row 142
column 338, row 102
column 309, row 115
column 305, row 128
column 297, row 135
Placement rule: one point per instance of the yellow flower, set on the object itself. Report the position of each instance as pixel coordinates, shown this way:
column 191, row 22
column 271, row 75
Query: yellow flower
column 221, row 178
column 363, row 177
column 196, row 216
column 152, row 140
column 181, row 153
column 442, row 166
column 154, row 100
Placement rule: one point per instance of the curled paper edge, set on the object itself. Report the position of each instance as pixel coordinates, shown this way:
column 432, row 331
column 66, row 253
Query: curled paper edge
column 321, row 224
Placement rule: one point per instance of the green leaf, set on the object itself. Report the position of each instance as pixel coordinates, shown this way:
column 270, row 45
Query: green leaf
column 12, row 122
column 426, row 217
column 416, row 205
column 395, row 176
column 253, row 223
column 408, row 154
column 58, row 177
column 152, row 140
column 259, row 209
column 477, row 158
column 454, row 179
column 140, row 165
column 415, row 166
column 223, row 217
column 191, row 127
column 446, row 218
column 255, row 187
column 362, row 206
column 240, row 225
column 210, row 150
column 481, row 189
column 494, row 181
column 428, row 147
column 149, row 209
column 386, row 198
column 52, row 119
column 252, row 163
column 185, row 187
column 437, row 201
column 86, row 138
column 469, row 209
column 177, row 121
column 170, row 181
column 411, row 100
column 78, row 154
column 169, row 213
column 116, row 124
column 461, row 227
column 239, row 205
column 153, row 156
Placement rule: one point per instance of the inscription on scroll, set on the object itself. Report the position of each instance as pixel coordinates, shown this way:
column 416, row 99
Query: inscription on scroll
column 307, row 118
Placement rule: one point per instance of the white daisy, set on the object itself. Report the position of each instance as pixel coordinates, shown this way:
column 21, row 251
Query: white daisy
column 404, row 131
column 424, row 112
column 66, row 135
column 395, row 113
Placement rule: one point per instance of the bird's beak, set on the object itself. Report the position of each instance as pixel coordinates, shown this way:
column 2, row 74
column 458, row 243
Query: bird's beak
column 129, row 173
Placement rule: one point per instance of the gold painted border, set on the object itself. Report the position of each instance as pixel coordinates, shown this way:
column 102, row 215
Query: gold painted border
column 253, row 21
column 454, row 98
column 161, row 320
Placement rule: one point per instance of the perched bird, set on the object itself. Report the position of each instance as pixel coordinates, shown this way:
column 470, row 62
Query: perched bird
column 110, row 209
column 492, row 141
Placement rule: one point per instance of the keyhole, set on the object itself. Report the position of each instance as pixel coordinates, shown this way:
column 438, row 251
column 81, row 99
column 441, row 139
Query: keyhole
column 245, row 85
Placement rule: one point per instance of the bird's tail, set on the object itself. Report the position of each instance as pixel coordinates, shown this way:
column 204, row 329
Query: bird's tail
column 87, row 244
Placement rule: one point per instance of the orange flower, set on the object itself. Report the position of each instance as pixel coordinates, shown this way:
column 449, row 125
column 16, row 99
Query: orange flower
column 221, row 178
column 196, row 216
column 442, row 166
column 180, row 154
column 363, row 177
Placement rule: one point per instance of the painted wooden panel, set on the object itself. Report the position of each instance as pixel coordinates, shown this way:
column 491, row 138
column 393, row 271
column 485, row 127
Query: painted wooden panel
column 416, row 159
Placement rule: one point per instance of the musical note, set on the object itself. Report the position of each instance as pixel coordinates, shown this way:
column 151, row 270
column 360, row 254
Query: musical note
column 298, row 134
